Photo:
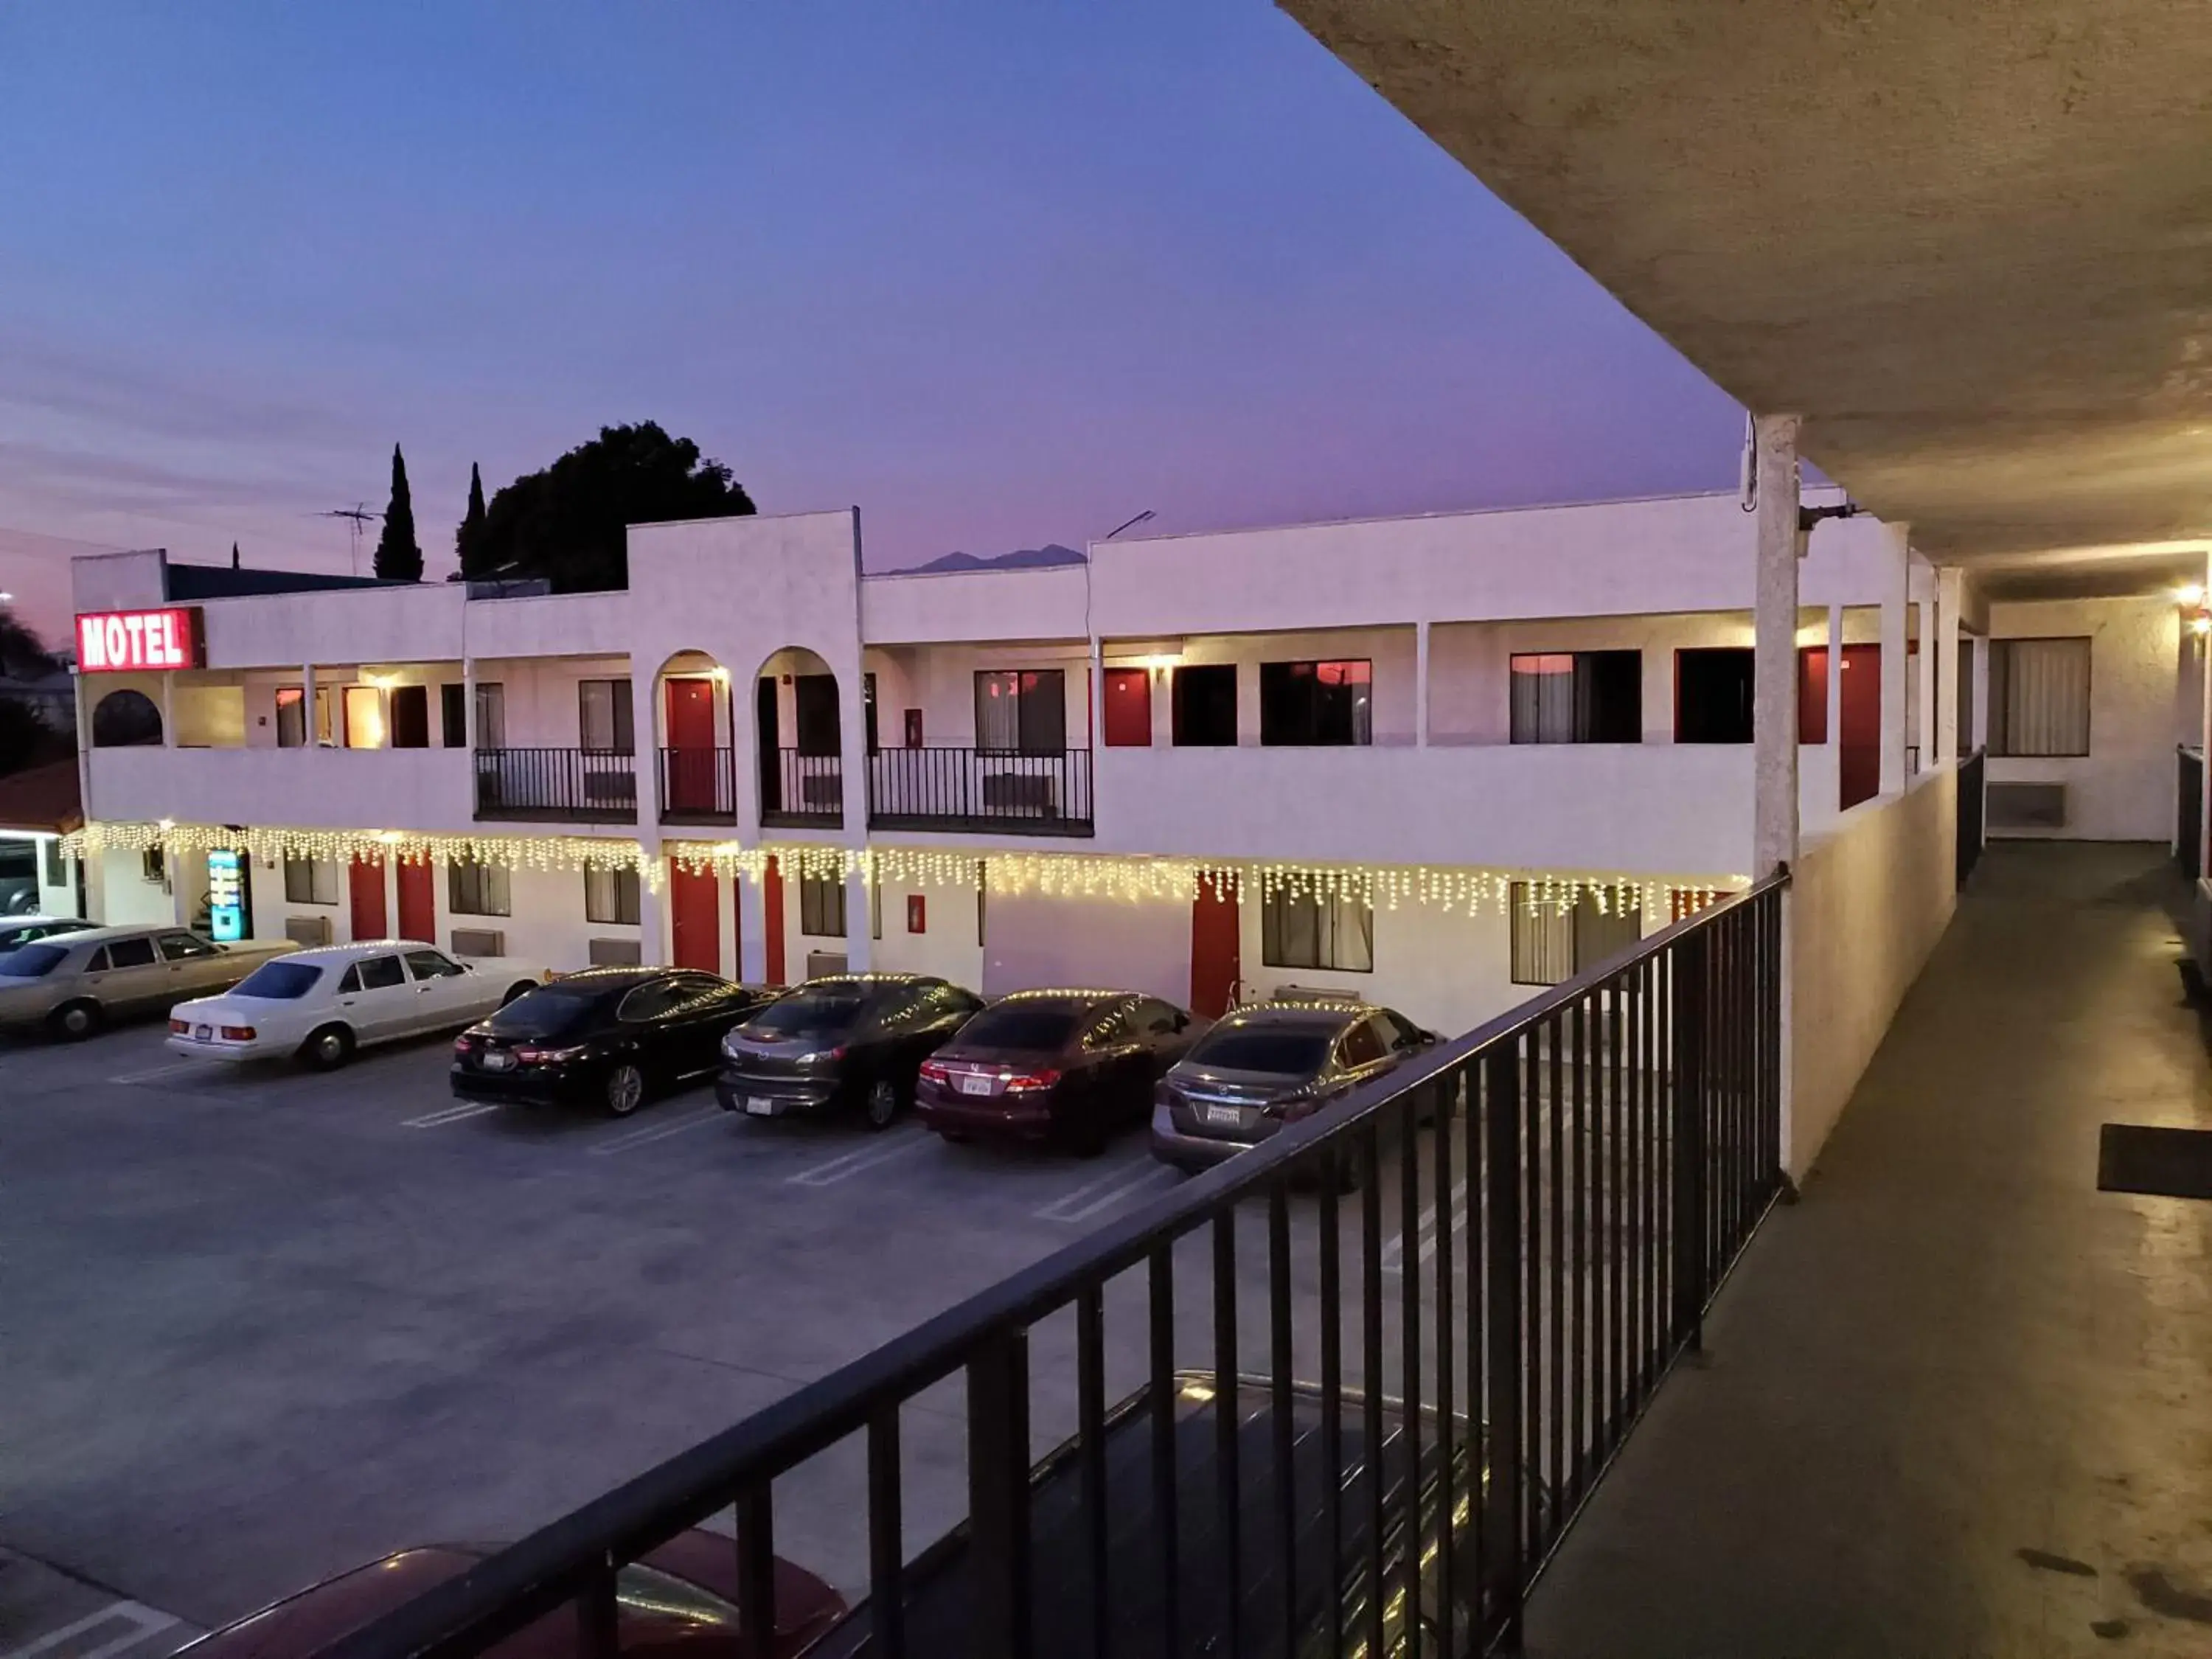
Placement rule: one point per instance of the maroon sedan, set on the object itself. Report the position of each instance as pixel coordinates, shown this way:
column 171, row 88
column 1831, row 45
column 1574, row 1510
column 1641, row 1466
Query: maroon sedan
column 1067, row 1066
column 681, row 1598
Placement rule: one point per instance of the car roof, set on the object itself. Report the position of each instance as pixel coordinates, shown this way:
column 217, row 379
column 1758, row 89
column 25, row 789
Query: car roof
column 868, row 982
column 622, row 976
column 127, row 930
column 360, row 948
column 1063, row 993
column 1295, row 1016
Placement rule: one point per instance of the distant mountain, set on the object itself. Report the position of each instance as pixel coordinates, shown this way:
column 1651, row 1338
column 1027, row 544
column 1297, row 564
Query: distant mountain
column 1022, row 558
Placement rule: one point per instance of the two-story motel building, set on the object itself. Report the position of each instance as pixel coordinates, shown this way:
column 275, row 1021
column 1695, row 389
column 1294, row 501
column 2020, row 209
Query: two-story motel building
column 1433, row 761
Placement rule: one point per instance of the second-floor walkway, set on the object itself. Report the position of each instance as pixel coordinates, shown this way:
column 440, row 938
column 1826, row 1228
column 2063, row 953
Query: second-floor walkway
column 1957, row 1401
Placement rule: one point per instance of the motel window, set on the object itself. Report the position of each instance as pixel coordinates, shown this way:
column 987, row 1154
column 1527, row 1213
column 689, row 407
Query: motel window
column 410, row 717
column 477, row 890
column 2040, row 697
column 1309, row 930
column 19, row 878
column 452, row 715
column 612, row 896
column 57, row 865
column 291, row 717
column 1316, row 703
column 1022, row 711
column 1550, row 945
column 154, row 866
column 364, row 717
column 1576, row 697
column 822, row 906
column 1204, row 706
column 310, row 881
column 1712, row 695
column 603, row 716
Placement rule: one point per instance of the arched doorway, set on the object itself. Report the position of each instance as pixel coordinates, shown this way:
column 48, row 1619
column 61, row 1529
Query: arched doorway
column 698, row 778
column 798, row 728
column 125, row 720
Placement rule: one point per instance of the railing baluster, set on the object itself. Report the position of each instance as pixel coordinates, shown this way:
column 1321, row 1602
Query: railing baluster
column 1160, row 1274
column 1509, row 1349
column 1577, row 1258
column 1370, row 1369
column 1440, row 1151
column 1227, row 1484
column 1555, row 1311
column 757, row 1572
column 1409, row 1345
column 1091, row 1425
column 999, row 1495
column 1281, row 1363
column 1332, row 1381
column 886, row 1538
column 599, row 1614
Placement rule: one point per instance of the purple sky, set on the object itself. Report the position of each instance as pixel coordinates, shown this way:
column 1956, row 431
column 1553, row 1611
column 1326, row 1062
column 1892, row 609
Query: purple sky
column 999, row 274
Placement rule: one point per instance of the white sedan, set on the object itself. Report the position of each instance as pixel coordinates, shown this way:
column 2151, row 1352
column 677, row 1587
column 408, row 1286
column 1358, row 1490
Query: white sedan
column 322, row 1004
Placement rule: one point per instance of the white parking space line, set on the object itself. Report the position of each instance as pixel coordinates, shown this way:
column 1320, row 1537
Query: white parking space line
column 852, row 1164
column 1107, row 1191
column 1394, row 1251
column 652, row 1132
column 154, row 1074
column 449, row 1114
column 141, row 1621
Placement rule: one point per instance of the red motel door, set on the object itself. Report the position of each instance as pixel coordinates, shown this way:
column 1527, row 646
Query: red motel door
column 690, row 745
column 695, row 902
column 1860, row 762
column 418, row 907
column 772, row 922
column 365, row 880
column 1216, row 947
column 1129, row 708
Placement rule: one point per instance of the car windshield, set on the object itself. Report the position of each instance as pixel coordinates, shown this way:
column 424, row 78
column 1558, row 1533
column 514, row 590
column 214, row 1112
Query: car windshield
column 33, row 961
column 547, row 1011
column 1287, row 1051
column 809, row 1010
column 280, row 981
column 1042, row 1026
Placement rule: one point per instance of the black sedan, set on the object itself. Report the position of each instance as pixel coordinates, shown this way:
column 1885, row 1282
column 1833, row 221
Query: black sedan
column 848, row 1041
column 608, row 1036
column 1261, row 1067
column 1070, row 1067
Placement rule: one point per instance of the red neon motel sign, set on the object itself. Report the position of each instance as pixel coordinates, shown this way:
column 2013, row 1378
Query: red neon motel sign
column 137, row 642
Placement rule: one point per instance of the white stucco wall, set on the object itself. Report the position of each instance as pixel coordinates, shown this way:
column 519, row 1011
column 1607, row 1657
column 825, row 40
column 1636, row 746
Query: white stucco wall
column 1868, row 901
column 2123, row 788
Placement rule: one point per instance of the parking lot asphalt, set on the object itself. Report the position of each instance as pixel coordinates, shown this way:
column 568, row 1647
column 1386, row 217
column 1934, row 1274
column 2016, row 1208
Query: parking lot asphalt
column 264, row 1324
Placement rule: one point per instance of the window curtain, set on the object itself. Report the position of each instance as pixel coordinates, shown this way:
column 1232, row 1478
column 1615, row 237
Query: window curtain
column 2040, row 696
column 998, row 712
column 1543, row 698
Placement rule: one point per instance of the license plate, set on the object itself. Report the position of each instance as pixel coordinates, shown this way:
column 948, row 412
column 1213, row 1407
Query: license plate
column 203, row 1032
column 974, row 1083
column 1225, row 1117
column 757, row 1107
column 498, row 1061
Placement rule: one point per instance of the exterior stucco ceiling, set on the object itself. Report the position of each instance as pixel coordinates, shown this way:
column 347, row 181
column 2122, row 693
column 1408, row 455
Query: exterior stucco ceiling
column 1969, row 241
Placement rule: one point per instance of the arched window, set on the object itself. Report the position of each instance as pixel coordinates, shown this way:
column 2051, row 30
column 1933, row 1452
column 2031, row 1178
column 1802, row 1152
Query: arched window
column 123, row 719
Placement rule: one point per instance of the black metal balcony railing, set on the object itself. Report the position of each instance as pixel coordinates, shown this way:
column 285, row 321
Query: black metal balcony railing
column 584, row 785
column 800, row 790
column 981, row 789
column 1972, row 812
column 1597, row 1159
column 698, row 785
column 2189, row 808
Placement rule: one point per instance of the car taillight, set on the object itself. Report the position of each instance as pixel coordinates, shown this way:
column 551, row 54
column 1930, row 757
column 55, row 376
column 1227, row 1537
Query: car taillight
column 237, row 1033
column 547, row 1056
column 180, row 1025
column 1292, row 1108
column 463, row 1043
column 936, row 1072
column 1021, row 1081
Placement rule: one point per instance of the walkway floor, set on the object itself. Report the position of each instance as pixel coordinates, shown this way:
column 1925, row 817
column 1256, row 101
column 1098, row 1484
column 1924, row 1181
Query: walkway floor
column 1956, row 1402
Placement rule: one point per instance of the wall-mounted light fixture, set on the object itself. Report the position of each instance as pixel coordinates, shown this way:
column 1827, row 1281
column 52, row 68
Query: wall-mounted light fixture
column 2190, row 594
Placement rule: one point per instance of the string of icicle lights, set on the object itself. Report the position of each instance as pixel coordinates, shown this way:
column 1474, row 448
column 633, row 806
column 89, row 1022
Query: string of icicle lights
column 1462, row 888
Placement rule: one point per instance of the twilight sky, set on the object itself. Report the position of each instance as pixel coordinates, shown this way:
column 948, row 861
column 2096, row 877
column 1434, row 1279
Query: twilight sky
column 1001, row 274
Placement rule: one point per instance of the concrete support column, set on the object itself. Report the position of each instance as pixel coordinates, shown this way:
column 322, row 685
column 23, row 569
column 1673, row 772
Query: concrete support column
column 168, row 716
column 1981, row 736
column 859, row 921
column 1095, row 704
column 653, row 929
column 310, row 734
column 1949, row 584
column 1895, row 663
column 752, row 930
column 1774, row 671
column 853, row 751
column 1924, row 738
column 646, row 736
column 1834, row 725
column 1421, row 684
column 469, row 734
column 2204, row 749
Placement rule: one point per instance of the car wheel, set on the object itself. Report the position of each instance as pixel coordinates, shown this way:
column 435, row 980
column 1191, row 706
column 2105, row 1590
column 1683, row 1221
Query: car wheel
column 882, row 1103
column 329, row 1048
column 520, row 987
column 625, row 1090
column 73, row 1022
column 1085, row 1137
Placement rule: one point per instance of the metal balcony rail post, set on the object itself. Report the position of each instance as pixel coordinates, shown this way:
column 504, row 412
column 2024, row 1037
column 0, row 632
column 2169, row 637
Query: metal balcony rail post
column 1383, row 1459
column 578, row 785
column 949, row 787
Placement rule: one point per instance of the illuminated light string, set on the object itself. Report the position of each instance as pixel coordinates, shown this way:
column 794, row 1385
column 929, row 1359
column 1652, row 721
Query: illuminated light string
column 1129, row 877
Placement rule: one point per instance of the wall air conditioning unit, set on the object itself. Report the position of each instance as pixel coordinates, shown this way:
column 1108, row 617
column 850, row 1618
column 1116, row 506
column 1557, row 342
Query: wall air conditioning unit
column 820, row 964
column 1312, row 994
column 307, row 931
column 2027, row 806
column 479, row 942
column 616, row 952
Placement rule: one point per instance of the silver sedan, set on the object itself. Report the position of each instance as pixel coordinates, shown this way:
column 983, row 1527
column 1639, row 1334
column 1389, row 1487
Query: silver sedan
column 74, row 983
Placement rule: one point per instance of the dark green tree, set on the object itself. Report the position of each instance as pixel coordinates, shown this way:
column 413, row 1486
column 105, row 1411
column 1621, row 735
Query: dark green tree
column 398, row 558
column 568, row 522
column 467, row 537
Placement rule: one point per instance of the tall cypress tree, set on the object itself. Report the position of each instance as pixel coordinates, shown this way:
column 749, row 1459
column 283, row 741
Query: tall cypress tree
column 467, row 540
column 397, row 557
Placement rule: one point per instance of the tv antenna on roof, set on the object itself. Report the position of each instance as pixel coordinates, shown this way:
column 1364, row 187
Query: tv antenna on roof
column 357, row 516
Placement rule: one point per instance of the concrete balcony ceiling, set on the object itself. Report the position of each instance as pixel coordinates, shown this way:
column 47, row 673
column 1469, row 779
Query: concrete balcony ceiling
column 1969, row 243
